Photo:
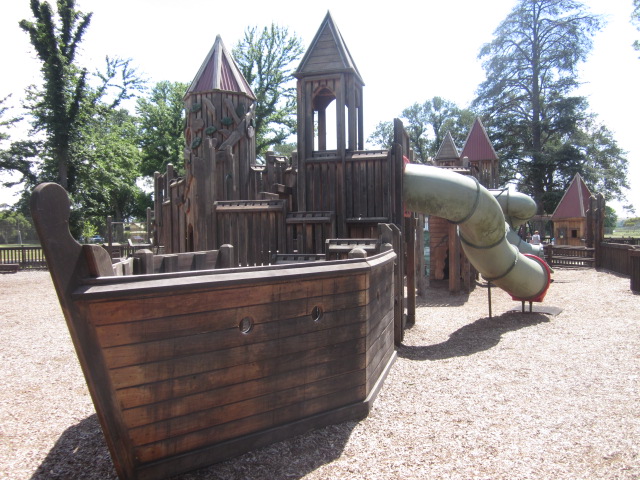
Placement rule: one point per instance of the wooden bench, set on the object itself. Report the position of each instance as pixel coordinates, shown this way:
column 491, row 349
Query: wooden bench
column 9, row 267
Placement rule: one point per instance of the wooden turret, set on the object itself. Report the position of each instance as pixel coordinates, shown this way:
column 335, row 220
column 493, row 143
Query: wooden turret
column 327, row 73
column 483, row 159
column 220, row 143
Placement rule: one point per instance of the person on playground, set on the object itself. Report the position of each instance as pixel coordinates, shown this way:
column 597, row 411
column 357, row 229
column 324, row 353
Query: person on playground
column 535, row 238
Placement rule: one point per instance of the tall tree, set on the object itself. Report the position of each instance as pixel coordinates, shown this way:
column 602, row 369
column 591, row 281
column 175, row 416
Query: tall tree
column 57, row 108
column 66, row 100
column 536, row 124
column 265, row 58
column 161, row 127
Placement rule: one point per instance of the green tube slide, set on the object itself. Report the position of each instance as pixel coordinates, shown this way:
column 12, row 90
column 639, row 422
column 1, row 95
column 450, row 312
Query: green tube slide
column 482, row 227
column 517, row 209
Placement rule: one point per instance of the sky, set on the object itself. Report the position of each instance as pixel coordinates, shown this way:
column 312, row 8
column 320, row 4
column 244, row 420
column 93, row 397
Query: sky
column 406, row 51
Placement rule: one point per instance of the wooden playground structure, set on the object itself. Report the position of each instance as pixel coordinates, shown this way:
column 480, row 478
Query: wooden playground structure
column 282, row 287
column 278, row 300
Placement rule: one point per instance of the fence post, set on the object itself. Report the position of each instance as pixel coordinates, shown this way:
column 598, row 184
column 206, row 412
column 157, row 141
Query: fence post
column 634, row 261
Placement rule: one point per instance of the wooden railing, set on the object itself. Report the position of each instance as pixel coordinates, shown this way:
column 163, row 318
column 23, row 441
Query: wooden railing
column 27, row 257
column 615, row 257
column 568, row 256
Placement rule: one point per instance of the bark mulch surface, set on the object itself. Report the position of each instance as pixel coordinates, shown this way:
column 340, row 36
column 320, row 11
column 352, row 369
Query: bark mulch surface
column 516, row 396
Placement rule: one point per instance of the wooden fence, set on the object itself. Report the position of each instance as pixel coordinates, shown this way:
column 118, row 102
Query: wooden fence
column 615, row 257
column 28, row 257
column 569, row 256
column 255, row 228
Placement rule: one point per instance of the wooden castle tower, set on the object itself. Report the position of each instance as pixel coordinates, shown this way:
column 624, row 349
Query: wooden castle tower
column 305, row 207
column 219, row 152
column 479, row 159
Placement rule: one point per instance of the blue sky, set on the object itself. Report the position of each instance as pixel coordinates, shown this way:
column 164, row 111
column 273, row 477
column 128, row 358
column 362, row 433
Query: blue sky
column 404, row 52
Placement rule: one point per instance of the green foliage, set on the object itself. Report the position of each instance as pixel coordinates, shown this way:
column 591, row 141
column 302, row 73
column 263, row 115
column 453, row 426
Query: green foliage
column 427, row 124
column 15, row 227
column 56, row 108
column 610, row 217
column 16, row 157
column 109, row 169
column 542, row 133
column 382, row 136
column 285, row 149
column 161, row 127
column 87, row 146
column 265, row 58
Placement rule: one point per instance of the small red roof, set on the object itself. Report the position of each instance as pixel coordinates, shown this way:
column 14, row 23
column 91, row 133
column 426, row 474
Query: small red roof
column 478, row 147
column 575, row 201
column 219, row 71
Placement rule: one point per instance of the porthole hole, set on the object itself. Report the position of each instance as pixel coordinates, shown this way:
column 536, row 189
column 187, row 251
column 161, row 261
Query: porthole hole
column 316, row 313
column 245, row 325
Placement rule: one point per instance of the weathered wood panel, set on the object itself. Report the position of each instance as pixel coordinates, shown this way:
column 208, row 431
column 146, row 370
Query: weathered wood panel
column 293, row 362
column 255, row 228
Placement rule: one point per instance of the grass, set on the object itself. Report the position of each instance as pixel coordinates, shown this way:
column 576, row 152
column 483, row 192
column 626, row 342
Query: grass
column 625, row 232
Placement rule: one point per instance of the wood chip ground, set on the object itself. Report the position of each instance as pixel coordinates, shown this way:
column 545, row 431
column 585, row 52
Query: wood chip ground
column 517, row 396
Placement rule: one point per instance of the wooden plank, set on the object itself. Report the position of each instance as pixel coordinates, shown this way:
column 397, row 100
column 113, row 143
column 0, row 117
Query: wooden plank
column 196, row 411
column 381, row 352
column 188, row 386
column 152, row 305
column 345, row 411
column 222, row 331
column 202, row 438
column 210, row 360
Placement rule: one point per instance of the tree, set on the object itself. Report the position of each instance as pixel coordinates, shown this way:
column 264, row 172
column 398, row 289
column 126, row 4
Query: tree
column 17, row 156
column 382, row 136
column 57, row 107
column 265, row 58
column 16, row 227
column 161, row 127
column 110, row 169
column 66, row 100
column 539, row 130
column 610, row 217
column 427, row 124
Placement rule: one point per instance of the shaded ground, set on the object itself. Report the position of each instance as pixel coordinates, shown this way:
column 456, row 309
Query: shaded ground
column 516, row 396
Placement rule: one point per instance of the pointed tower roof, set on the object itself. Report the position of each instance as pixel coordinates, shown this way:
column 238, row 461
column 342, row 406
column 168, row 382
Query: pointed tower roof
column 219, row 71
column 575, row 201
column 448, row 149
column 478, row 147
column 327, row 53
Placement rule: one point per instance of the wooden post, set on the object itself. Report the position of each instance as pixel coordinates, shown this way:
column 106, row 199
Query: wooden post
column 599, row 229
column 390, row 233
column 420, row 263
column 634, row 267
column 110, row 235
column 454, row 259
column 411, row 269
